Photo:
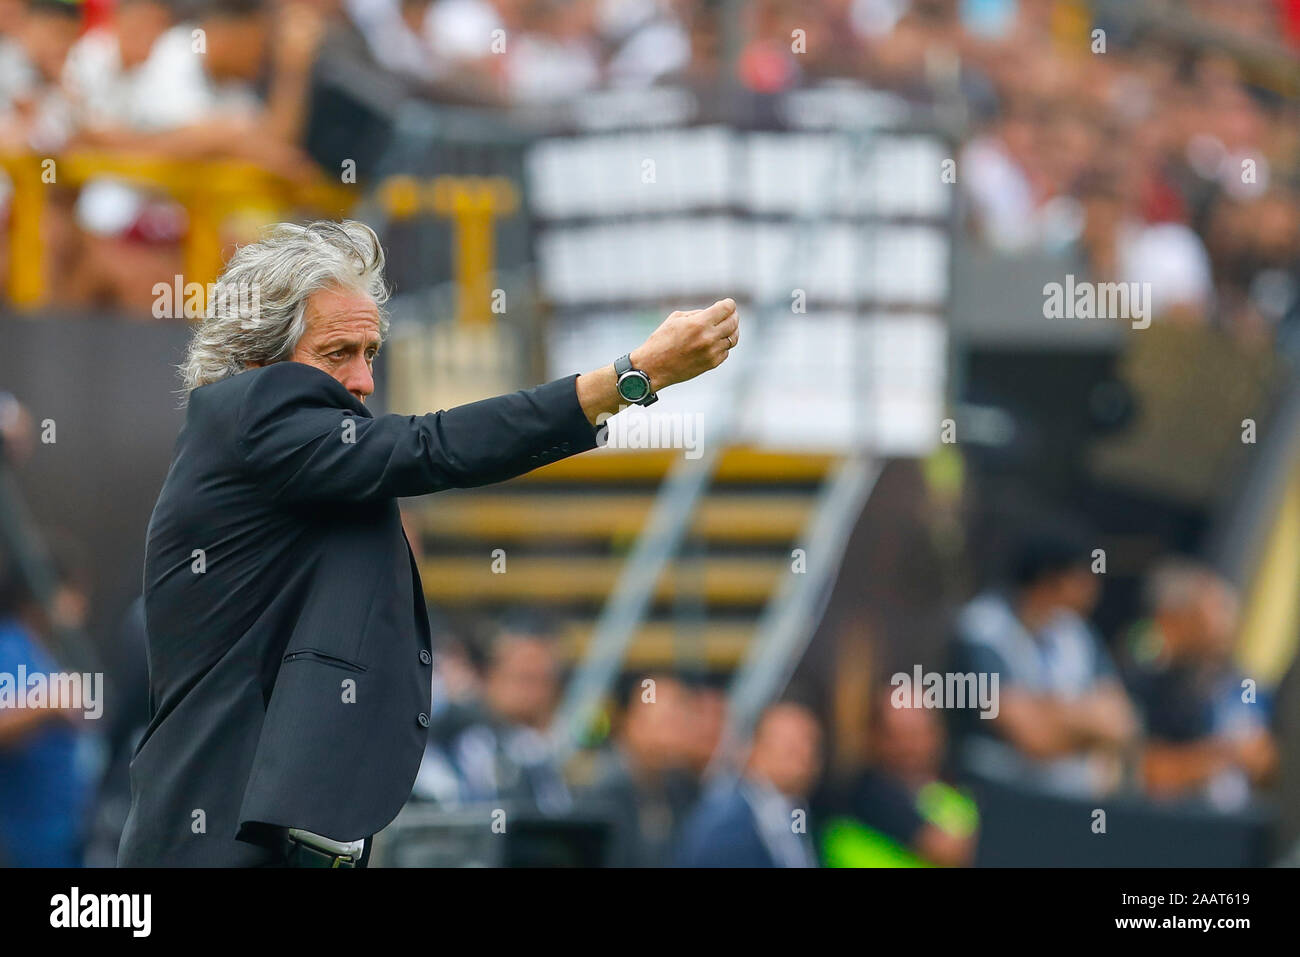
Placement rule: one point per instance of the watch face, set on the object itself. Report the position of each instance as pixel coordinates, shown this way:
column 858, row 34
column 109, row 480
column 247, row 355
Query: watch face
column 633, row 388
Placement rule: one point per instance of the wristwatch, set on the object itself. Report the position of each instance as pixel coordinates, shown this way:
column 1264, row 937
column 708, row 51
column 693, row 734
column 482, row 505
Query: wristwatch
column 633, row 384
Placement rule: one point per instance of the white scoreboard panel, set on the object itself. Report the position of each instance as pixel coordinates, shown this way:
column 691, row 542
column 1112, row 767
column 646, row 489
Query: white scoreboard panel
column 843, row 236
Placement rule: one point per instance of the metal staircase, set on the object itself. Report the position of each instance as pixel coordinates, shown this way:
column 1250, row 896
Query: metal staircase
column 568, row 530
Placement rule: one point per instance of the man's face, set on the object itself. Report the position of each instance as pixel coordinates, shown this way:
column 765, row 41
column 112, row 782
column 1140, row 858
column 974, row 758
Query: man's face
column 139, row 24
column 910, row 740
column 236, row 47
column 342, row 338
column 658, row 731
column 1078, row 590
column 47, row 37
column 786, row 750
column 1215, row 617
column 521, row 681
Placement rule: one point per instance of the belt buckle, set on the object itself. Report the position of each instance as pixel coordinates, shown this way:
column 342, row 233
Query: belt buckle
column 327, row 852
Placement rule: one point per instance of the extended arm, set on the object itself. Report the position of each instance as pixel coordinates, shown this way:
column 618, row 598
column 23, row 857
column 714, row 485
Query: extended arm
column 306, row 439
column 685, row 345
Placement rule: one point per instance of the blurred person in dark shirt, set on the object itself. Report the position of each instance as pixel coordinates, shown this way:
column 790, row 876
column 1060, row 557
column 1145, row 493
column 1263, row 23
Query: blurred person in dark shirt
column 761, row 819
column 46, row 759
column 708, row 716
column 640, row 781
column 1202, row 738
column 458, row 670
column 459, row 674
column 128, row 718
column 1063, row 718
column 898, row 812
column 495, row 747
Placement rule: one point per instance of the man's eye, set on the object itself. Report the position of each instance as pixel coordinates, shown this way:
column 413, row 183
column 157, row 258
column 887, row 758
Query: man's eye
column 338, row 354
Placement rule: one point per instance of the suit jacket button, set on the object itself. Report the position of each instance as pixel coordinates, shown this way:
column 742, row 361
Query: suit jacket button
column 423, row 719
column 425, row 657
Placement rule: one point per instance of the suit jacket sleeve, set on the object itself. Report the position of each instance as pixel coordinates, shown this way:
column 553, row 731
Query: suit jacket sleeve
column 306, row 438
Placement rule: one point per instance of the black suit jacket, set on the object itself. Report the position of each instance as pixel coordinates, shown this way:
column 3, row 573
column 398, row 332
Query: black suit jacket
column 289, row 649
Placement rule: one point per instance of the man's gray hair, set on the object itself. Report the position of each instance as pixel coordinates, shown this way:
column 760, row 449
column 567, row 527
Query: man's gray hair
column 256, row 310
column 1179, row 582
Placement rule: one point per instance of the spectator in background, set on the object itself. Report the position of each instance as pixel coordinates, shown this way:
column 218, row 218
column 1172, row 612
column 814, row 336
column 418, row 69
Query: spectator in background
column 1202, row 739
column 37, row 113
column 1063, row 717
column 193, row 97
column 46, row 758
column 640, row 782
column 127, row 709
column 769, row 63
column 448, row 51
column 708, row 717
column 196, row 93
column 647, row 41
column 761, row 820
column 1000, row 185
column 15, row 69
column 1256, row 249
column 555, row 56
column 1169, row 256
column 460, row 32
column 17, row 432
column 38, row 116
column 102, row 73
column 496, row 748
column 396, row 38
column 898, row 812
column 458, row 669
column 438, row 778
column 459, row 673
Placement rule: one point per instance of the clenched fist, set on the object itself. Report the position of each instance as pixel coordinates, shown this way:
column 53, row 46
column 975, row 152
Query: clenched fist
column 688, row 343
column 685, row 345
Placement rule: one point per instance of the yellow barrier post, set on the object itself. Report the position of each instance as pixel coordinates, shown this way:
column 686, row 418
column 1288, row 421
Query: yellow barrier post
column 473, row 203
column 26, row 284
column 209, row 190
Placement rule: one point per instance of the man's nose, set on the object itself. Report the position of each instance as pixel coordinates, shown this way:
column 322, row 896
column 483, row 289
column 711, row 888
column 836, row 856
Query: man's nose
column 359, row 380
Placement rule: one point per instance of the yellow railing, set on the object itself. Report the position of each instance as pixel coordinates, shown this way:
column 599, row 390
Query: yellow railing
column 1270, row 626
column 473, row 204
column 209, row 190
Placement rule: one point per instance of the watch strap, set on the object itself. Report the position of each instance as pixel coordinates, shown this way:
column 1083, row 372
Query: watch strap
column 623, row 364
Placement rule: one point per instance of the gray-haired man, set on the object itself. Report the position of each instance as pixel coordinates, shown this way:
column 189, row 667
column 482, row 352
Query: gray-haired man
column 289, row 646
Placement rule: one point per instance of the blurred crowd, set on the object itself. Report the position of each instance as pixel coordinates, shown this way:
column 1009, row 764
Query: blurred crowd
column 1159, row 712
column 51, row 757
column 1151, row 153
column 1165, row 716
